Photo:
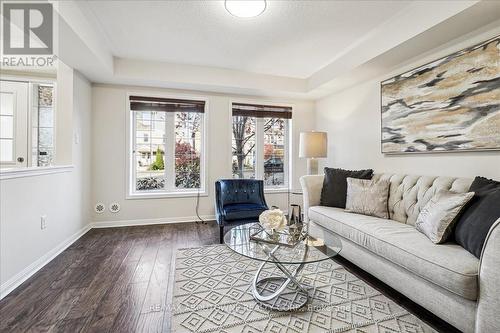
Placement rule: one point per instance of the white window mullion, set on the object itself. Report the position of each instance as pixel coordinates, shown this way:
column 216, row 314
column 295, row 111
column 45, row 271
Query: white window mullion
column 286, row 164
column 133, row 152
column 259, row 148
column 202, row 153
column 170, row 151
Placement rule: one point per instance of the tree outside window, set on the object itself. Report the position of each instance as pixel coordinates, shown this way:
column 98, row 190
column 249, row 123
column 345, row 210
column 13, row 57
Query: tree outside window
column 187, row 150
column 259, row 149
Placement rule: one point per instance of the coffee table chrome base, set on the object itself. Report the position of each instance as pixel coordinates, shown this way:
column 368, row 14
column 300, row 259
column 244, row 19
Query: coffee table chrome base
column 283, row 298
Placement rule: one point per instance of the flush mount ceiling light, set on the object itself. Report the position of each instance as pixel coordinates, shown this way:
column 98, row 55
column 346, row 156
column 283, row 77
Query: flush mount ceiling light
column 249, row 8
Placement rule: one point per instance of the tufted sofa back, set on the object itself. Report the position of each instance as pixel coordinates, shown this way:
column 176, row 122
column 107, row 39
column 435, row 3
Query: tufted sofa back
column 408, row 194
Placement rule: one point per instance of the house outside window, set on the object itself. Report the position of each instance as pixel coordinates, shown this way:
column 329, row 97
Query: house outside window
column 260, row 143
column 166, row 146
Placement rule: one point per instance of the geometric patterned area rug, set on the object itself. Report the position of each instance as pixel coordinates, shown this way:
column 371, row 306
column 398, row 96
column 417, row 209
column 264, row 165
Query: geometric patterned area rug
column 212, row 293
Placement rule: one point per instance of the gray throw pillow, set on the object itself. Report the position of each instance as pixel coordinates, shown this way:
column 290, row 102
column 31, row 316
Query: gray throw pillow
column 368, row 197
column 437, row 217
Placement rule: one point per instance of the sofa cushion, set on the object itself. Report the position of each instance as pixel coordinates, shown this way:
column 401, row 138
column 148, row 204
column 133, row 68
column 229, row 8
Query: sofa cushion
column 437, row 217
column 334, row 191
column 242, row 211
column 483, row 210
column 447, row 265
column 367, row 197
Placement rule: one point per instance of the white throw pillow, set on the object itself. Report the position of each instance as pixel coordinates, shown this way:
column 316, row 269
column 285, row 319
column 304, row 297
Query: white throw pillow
column 438, row 215
column 368, row 197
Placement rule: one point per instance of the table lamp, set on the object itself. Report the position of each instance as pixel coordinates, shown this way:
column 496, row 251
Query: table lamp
column 313, row 145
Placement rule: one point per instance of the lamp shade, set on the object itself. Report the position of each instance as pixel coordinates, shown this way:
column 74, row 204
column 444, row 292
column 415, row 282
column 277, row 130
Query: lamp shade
column 313, row 144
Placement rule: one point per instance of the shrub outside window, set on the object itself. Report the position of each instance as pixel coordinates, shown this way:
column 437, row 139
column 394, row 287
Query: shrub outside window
column 166, row 146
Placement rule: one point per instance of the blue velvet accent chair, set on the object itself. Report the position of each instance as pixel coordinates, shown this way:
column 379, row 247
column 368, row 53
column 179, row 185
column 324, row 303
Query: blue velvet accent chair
column 238, row 201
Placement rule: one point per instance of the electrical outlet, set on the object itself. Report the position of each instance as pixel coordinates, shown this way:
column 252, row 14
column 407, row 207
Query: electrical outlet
column 43, row 222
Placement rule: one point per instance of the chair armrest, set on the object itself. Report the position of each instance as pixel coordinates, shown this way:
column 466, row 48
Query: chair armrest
column 261, row 194
column 218, row 204
column 488, row 305
column 311, row 189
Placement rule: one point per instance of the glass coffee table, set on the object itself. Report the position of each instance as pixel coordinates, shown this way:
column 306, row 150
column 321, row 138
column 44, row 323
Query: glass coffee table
column 281, row 293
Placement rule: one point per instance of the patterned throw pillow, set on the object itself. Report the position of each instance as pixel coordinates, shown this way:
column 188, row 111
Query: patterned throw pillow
column 368, row 197
column 437, row 217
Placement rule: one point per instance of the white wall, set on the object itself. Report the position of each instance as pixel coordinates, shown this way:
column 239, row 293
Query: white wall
column 352, row 119
column 109, row 155
column 62, row 197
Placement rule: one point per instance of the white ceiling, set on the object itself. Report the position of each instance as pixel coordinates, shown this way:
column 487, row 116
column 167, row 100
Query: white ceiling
column 296, row 49
column 291, row 38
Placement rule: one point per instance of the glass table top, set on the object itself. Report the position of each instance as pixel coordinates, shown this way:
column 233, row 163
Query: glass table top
column 308, row 250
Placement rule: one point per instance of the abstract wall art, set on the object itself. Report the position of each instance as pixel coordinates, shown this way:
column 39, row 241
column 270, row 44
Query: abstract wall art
column 450, row 104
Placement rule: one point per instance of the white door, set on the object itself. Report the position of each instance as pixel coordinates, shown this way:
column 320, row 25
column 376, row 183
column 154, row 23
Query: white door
column 13, row 123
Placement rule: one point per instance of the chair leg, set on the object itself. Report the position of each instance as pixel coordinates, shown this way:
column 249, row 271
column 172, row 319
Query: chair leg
column 221, row 235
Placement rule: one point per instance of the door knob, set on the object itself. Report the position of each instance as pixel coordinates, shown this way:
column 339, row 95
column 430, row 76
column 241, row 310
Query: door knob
column 20, row 159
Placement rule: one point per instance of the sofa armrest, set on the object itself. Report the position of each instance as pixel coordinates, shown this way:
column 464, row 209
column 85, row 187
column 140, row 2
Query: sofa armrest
column 311, row 189
column 487, row 318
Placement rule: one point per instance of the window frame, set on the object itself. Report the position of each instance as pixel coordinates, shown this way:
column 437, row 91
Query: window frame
column 170, row 191
column 259, row 145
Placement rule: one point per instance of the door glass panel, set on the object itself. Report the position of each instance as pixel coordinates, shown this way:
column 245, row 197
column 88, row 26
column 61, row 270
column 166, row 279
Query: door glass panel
column 6, row 127
column 7, row 104
column 6, row 150
column 46, row 117
column 42, row 125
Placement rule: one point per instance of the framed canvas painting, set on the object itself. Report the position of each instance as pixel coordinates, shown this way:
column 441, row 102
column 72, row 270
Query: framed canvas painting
column 450, row 104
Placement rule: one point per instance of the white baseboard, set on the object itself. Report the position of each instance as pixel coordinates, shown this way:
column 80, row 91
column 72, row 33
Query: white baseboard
column 26, row 273
column 128, row 223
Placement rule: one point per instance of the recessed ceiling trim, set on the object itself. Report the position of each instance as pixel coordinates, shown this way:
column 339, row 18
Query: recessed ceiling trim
column 236, row 81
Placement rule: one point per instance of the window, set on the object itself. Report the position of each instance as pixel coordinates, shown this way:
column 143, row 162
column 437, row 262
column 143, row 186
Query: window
column 26, row 124
column 260, row 143
column 166, row 145
column 42, row 148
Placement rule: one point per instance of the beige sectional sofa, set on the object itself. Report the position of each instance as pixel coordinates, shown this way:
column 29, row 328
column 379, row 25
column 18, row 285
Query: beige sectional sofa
column 445, row 279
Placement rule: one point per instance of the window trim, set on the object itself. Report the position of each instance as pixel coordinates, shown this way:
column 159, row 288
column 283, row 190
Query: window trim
column 129, row 145
column 259, row 174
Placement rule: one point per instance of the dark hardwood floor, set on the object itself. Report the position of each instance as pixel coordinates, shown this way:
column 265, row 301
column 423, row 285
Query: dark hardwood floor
column 121, row 279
